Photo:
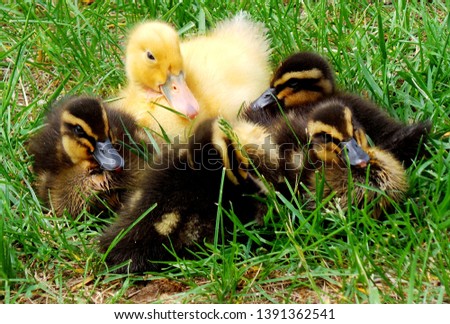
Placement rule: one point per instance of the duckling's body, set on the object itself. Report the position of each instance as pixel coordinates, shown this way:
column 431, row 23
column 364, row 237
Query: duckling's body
column 305, row 79
column 187, row 190
column 76, row 160
column 198, row 78
column 382, row 183
column 334, row 148
column 228, row 67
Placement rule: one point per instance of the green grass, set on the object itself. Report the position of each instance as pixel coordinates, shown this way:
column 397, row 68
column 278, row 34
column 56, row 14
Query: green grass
column 396, row 54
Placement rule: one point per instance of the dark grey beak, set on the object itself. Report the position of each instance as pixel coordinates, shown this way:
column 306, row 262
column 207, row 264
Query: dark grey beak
column 107, row 156
column 268, row 97
column 356, row 155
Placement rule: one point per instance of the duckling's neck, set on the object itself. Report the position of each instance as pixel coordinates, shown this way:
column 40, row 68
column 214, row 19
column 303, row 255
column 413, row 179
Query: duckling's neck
column 138, row 90
column 151, row 95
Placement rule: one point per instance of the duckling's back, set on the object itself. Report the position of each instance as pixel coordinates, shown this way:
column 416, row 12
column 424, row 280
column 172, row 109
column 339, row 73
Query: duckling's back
column 227, row 67
column 46, row 143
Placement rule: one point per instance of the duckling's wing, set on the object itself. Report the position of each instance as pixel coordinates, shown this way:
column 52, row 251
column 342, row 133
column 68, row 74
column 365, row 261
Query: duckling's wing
column 406, row 142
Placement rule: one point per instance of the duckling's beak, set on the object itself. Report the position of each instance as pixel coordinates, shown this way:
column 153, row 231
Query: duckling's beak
column 107, row 156
column 268, row 97
column 180, row 96
column 356, row 155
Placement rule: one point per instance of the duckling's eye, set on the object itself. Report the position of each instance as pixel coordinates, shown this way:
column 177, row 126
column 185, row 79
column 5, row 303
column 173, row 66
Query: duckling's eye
column 325, row 137
column 292, row 83
column 150, row 56
column 78, row 130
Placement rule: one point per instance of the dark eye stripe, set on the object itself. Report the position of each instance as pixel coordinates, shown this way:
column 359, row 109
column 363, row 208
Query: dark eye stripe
column 326, row 138
column 299, row 84
column 82, row 134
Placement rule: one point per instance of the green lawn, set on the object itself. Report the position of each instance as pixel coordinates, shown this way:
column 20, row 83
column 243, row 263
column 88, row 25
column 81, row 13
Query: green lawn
column 397, row 54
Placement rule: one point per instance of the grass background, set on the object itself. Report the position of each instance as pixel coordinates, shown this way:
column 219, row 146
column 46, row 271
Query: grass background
column 395, row 53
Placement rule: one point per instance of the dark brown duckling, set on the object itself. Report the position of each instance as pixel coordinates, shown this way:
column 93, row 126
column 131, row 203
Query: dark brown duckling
column 334, row 146
column 300, row 81
column 402, row 140
column 83, row 157
column 179, row 198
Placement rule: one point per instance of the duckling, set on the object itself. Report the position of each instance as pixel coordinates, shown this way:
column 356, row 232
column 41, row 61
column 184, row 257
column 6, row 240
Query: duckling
column 178, row 198
column 171, row 83
column 402, row 140
column 300, row 81
column 77, row 161
column 305, row 79
column 336, row 147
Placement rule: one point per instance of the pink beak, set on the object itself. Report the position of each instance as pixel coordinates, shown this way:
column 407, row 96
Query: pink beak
column 180, row 96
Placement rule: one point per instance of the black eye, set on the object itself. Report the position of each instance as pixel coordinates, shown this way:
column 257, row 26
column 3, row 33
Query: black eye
column 325, row 137
column 150, row 56
column 78, row 130
column 293, row 83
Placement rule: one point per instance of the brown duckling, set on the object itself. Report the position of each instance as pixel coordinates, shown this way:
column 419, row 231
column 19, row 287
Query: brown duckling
column 179, row 198
column 305, row 79
column 336, row 148
column 299, row 82
column 83, row 157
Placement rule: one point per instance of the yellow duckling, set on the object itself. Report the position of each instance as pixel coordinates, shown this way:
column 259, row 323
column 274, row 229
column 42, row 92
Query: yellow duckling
column 171, row 83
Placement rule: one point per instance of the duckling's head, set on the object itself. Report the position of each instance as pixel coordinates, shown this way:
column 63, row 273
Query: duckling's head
column 86, row 136
column 336, row 136
column 154, row 64
column 301, row 79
